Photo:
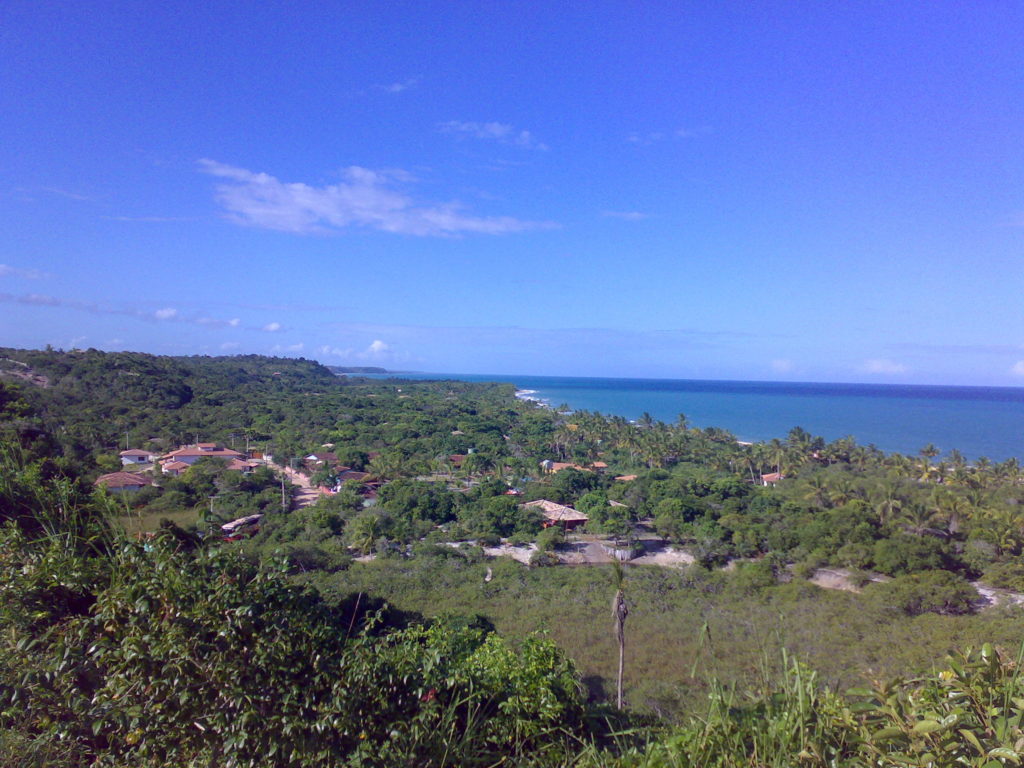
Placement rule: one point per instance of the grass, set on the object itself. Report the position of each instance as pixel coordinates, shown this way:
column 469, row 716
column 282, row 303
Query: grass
column 670, row 656
column 135, row 523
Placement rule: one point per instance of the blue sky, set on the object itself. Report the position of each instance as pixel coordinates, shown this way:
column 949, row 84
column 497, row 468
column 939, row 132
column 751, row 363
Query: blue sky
column 737, row 190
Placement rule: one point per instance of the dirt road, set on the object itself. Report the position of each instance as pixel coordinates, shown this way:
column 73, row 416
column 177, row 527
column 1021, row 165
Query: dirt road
column 307, row 494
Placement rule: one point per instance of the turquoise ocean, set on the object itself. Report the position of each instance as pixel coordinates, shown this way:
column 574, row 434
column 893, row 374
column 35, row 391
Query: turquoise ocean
column 977, row 421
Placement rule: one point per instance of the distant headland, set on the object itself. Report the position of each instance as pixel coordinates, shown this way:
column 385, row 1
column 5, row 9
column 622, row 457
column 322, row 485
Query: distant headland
column 340, row 369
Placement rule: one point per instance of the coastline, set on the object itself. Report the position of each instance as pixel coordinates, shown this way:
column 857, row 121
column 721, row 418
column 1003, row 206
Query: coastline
column 976, row 421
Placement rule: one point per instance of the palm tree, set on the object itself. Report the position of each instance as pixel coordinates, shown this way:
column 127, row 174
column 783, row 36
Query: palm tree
column 619, row 613
column 817, row 491
column 918, row 518
column 887, row 503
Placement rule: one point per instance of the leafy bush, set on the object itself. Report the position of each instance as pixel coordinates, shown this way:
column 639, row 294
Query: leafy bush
column 907, row 554
column 1007, row 575
column 204, row 658
column 929, row 592
column 541, row 559
column 550, row 539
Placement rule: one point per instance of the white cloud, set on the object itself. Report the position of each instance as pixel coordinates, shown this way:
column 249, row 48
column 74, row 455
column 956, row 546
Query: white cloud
column 883, row 366
column 228, row 345
column 398, row 87
column 1018, row 368
column 272, row 327
column 653, row 137
column 28, row 274
column 378, row 347
column 364, row 198
column 626, row 215
column 288, row 347
column 166, row 314
column 781, row 365
column 500, row 132
column 326, row 349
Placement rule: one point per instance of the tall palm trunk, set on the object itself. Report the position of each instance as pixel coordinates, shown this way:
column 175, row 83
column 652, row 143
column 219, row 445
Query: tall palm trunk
column 619, row 614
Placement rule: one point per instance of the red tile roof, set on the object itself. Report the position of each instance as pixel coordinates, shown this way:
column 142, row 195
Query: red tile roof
column 225, row 453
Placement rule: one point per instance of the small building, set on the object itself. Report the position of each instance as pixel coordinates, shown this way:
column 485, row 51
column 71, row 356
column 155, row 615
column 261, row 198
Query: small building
column 771, row 478
column 134, row 457
column 174, row 468
column 557, row 514
column 626, row 478
column 190, row 454
column 247, row 524
column 122, row 482
column 557, row 466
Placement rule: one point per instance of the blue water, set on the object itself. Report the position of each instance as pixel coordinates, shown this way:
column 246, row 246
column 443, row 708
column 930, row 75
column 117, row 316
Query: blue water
column 977, row 421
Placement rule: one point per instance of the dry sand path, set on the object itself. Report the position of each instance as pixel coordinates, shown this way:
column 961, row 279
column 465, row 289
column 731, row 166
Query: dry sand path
column 308, row 494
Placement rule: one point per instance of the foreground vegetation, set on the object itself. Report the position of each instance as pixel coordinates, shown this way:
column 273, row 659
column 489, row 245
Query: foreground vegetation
column 182, row 649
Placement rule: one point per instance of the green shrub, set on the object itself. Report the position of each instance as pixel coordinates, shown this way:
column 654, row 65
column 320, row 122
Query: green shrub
column 541, row 559
column 928, row 592
column 550, row 539
column 206, row 659
column 1007, row 575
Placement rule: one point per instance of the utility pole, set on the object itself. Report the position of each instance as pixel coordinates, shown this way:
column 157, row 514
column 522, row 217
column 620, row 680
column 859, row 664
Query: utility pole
column 284, row 507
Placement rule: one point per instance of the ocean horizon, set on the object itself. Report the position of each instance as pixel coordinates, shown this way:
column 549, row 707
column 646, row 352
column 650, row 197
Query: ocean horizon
column 977, row 421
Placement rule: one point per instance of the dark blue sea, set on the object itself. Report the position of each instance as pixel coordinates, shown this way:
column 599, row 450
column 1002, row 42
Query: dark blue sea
column 977, row 421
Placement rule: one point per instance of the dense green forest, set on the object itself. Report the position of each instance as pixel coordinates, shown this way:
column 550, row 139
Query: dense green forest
column 372, row 629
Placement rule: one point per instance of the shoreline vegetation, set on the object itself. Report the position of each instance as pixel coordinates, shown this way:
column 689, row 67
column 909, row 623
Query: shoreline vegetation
column 789, row 601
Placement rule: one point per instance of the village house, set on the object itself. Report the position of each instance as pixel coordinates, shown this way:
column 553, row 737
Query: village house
column 557, row 514
column 551, row 467
column 122, row 482
column 174, row 468
column 771, row 478
column 134, row 457
column 190, row 454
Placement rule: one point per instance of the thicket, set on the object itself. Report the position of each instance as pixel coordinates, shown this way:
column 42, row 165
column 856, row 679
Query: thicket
column 169, row 652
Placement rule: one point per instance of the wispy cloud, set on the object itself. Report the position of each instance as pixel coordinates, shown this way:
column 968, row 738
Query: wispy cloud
column 364, row 198
column 500, row 132
column 69, row 194
column 398, row 87
column 626, row 215
column 652, row 137
column 880, row 365
column 27, row 274
column 272, row 327
column 152, row 219
column 162, row 314
column 1018, row 368
column 960, row 349
column 782, row 365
